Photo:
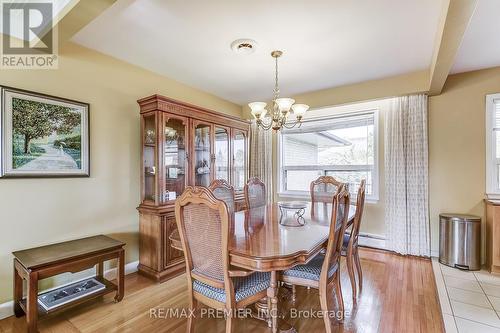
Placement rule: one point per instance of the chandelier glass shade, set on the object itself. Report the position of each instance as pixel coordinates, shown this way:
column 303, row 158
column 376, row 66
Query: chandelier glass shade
column 281, row 108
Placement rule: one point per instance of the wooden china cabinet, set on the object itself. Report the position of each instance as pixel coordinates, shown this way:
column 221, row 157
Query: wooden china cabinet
column 182, row 145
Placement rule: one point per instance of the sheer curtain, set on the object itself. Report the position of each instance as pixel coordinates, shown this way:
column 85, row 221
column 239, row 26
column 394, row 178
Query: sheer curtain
column 261, row 160
column 406, row 176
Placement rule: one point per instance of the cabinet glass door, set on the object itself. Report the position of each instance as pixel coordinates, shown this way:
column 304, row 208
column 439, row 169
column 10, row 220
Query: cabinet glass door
column 239, row 160
column 149, row 161
column 202, row 154
column 174, row 158
column 221, row 153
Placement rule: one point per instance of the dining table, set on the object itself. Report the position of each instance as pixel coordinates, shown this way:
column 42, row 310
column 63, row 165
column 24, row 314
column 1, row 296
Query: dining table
column 259, row 242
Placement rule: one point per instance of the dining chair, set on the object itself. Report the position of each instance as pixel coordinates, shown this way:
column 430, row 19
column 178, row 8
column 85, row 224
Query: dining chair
column 350, row 243
column 222, row 190
column 255, row 193
column 323, row 191
column 323, row 271
column 203, row 224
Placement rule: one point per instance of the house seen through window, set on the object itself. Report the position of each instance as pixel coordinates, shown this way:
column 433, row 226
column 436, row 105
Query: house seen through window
column 343, row 146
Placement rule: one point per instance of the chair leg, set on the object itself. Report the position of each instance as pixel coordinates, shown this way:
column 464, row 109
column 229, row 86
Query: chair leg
column 350, row 268
column 358, row 268
column 323, row 299
column 294, row 293
column 190, row 324
column 229, row 324
column 340, row 299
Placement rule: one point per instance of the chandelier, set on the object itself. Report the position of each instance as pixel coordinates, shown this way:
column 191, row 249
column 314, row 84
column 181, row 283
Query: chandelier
column 277, row 117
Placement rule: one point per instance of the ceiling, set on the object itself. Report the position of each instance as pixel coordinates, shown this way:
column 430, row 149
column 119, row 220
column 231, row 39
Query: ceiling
column 326, row 43
column 480, row 46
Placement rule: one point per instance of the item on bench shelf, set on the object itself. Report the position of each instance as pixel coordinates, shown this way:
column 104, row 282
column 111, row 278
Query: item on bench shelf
column 60, row 296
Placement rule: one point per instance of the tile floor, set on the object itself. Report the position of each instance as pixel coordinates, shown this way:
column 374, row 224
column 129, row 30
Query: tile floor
column 470, row 301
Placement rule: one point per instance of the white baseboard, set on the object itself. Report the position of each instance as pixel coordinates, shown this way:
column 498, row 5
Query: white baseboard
column 130, row 268
column 6, row 309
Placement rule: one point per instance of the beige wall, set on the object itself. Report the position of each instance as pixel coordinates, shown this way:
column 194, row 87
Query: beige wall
column 364, row 91
column 40, row 211
column 457, row 145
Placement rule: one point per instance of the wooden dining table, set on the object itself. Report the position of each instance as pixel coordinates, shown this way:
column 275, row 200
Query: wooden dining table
column 258, row 242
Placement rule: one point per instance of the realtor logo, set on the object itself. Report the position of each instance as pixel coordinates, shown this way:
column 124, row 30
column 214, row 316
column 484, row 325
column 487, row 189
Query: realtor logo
column 29, row 36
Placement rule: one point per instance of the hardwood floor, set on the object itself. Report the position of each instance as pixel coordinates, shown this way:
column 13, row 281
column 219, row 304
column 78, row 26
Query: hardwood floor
column 399, row 295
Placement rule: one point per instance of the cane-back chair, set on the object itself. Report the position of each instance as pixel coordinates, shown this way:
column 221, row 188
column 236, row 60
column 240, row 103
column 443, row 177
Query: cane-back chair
column 203, row 223
column 323, row 271
column 255, row 193
column 350, row 247
column 222, row 190
column 323, row 190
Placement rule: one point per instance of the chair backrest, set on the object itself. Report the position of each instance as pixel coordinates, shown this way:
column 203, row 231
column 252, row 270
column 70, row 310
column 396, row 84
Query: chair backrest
column 323, row 190
column 360, row 205
column 222, row 190
column 255, row 193
column 340, row 216
column 203, row 223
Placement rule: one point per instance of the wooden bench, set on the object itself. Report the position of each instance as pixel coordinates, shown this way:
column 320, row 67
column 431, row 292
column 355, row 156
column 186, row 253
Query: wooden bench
column 43, row 262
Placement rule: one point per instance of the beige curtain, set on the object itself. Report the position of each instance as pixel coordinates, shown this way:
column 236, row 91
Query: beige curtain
column 261, row 161
column 406, row 176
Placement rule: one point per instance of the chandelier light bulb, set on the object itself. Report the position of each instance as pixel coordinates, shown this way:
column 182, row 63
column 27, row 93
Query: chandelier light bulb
column 284, row 104
column 258, row 109
column 300, row 109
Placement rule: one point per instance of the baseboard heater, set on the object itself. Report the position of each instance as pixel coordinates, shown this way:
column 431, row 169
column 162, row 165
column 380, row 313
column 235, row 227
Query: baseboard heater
column 373, row 241
column 57, row 297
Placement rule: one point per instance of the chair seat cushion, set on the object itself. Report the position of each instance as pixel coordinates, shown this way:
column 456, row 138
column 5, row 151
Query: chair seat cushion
column 244, row 287
column 311, row 270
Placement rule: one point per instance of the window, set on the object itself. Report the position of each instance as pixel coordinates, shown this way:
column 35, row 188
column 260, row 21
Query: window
column 343, row 146
column 493, row 146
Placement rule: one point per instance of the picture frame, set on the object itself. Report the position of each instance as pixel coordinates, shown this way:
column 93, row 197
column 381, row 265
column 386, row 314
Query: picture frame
column 43, row 135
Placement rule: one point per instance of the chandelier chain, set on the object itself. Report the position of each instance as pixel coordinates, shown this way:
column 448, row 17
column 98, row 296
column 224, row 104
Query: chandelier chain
column 276, row 83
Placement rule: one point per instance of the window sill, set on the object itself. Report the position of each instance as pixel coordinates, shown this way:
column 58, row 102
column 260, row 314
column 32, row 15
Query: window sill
column 492, row 196
column 307, row 197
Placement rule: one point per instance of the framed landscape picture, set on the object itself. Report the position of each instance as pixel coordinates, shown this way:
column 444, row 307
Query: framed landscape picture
column 43, row 136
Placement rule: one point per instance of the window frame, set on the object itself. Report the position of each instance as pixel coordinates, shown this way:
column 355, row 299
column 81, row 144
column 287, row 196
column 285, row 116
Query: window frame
column 492, row 162
column 305, row 195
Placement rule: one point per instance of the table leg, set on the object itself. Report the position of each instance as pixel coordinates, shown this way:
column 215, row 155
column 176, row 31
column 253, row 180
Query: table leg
column 120, row 276
column 32, row 302
column 264, row 311
column 269, row 317
column 18, row 292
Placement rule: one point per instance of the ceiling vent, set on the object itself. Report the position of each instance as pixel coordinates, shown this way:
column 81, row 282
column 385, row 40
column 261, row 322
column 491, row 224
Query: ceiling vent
column 244, row 46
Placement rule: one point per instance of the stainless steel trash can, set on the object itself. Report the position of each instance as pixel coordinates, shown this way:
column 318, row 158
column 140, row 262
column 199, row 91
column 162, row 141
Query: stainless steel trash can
column 460, row 241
